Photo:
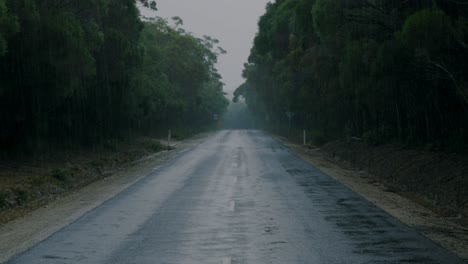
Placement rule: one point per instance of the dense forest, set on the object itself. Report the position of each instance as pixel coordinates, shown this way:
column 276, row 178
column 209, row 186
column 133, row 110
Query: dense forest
column 83, row 72
column 380, row 70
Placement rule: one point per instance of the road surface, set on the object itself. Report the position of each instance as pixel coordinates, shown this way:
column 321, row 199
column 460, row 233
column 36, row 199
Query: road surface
column 239, row 197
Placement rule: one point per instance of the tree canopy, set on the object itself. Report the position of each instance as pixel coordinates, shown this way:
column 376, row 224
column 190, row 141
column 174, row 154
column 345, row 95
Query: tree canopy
column 386, row 71
column 82, row 72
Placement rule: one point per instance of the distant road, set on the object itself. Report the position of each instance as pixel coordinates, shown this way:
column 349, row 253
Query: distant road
column 239, row 197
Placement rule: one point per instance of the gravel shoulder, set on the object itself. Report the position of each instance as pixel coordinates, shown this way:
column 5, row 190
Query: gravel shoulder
column 21, row 234
column 449, row 232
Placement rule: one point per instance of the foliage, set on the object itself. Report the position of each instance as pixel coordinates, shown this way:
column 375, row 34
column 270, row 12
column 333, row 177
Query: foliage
column 3, row 199
column 153, row 145
column 149, row 4
column 62, row 175
column 89, row 72
column 380, row 70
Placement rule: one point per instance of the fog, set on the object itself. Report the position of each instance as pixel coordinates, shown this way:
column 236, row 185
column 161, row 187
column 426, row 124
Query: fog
column 233, row 22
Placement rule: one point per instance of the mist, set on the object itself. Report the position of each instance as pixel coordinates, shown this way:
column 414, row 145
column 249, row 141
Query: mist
column 233, row 23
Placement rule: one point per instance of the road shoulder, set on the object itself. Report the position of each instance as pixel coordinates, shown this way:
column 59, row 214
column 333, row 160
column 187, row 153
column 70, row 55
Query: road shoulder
column 23, row 233
column 442, row 230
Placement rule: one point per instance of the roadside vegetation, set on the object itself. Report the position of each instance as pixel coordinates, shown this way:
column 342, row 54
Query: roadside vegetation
column 379, row 70
column 29, row 183
column 87, row 73
column 383, row 84
column 87, row 87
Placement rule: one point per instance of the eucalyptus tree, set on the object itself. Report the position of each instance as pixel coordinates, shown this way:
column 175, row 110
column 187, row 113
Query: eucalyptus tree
column 382, row 70
column 83, row 72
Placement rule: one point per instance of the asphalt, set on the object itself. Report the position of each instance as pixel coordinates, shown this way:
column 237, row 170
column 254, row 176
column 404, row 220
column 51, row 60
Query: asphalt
column 239, row 197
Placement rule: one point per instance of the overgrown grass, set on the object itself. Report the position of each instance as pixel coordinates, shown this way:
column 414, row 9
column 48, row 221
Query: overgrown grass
column 62, row 174
column 21, row 196
column 181, row 134
column 111, row 144
column 57, row 174
column 316, row 137
column 153, row 145
column 3, row 199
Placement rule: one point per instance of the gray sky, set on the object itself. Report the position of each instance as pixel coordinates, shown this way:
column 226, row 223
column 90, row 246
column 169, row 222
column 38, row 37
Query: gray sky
column 233, row 22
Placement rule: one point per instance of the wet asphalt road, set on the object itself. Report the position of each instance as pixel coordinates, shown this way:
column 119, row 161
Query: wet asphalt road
column 239, row 197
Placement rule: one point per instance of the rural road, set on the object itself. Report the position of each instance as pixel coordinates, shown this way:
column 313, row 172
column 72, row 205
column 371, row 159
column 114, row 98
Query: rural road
column 239, row 197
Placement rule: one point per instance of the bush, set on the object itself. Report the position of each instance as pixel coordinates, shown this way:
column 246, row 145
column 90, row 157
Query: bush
column 62, row 175
column 21, row 196
column 317, row 137
column 153, row 145
column 377, row 136
column 181, row 134
column 111, row 144
column 3, row 199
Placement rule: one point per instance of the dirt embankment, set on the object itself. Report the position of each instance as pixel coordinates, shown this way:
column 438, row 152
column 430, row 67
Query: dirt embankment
column 118, row 169
column 33, row 182
column 438, row 181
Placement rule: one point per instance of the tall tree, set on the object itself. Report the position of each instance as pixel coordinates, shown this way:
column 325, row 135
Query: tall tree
column 381, row 70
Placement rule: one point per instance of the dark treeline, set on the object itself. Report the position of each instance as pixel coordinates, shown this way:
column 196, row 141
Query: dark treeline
column 382, row 70
column 82, row 72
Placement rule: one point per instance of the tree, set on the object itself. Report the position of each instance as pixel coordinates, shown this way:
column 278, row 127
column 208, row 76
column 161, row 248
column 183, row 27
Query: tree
column 149, row 4
column 380, row 70
column 8, row 26
column 83, row 72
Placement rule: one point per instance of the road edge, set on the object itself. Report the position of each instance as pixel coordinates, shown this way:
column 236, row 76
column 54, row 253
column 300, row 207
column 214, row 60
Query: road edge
column 23, row 233
column 439, row 229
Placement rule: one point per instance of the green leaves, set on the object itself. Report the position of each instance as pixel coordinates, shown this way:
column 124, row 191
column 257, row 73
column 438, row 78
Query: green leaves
column 84, row 72
column 328, row 18
column 186, row 65
column 428, row 29
column 354, row 68
column 8, row 25
column 149, row 4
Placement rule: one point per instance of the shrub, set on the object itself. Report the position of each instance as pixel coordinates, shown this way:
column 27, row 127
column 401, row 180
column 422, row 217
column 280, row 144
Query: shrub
column 62, row 175
column 3, row 199
column 153, row 145
column 21, row 196
column 317, row 137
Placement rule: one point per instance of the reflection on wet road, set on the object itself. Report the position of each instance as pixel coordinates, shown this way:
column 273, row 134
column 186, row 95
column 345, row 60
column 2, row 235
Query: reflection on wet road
column 239, row 197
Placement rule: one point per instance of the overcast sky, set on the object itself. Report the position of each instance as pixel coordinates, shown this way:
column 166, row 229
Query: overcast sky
column 233, row 22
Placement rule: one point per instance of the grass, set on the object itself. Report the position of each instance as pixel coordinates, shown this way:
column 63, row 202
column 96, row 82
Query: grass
column 31, row 183
column 21, row 196
column 153, row 145
column 3, row 199
column 62, row 175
